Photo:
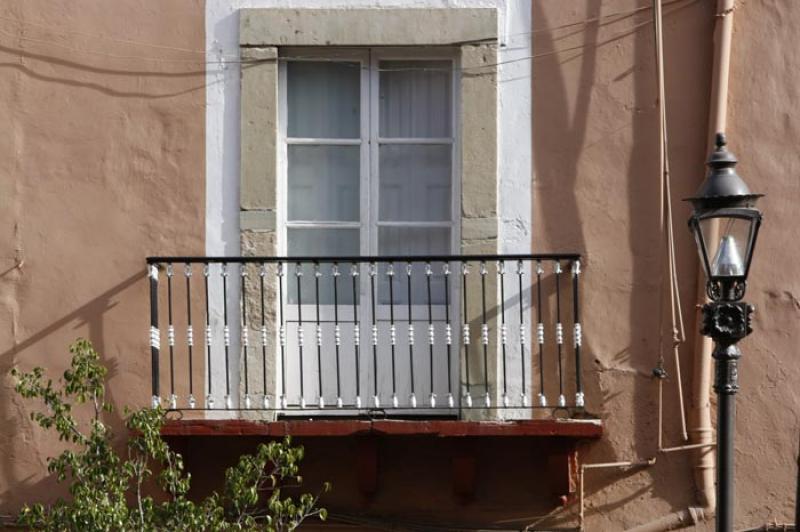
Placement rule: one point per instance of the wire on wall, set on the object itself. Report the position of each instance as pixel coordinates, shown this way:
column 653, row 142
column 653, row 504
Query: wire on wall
column 225, row 59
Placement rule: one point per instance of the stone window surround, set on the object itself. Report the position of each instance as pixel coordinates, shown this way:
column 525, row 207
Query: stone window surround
column 473, row 31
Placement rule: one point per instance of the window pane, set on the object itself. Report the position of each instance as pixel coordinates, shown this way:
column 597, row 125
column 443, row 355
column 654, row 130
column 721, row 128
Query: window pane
column 414, row 241
column 415, row 99
column 321, row 243
column 415, row 183
column 323, row 99
column 324, row 183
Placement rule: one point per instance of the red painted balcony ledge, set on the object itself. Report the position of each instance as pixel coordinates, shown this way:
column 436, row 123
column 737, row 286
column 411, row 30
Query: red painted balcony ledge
column 568, row 428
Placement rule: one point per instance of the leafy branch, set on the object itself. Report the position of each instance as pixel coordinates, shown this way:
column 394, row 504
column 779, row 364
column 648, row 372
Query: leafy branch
column 101, row 482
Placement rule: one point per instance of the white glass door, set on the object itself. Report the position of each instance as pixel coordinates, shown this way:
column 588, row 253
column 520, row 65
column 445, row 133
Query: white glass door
column 412, row 158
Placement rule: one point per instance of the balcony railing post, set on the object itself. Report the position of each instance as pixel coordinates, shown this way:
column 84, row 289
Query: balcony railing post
column 540, row 333
column 356, row 333
column 465, row 333
column 577, row 333
column 281, row 273
column 187, row 270
column 501, row 272
column 431, row 335
column 209, row 382
column 485, row 336
column 522, row 340
column 376, row 401
column 298, row 273
column 337, row 332
column 262, row 272
column 226, row 336
column 448, row 334
column 412, row 399
column 562, row 400
column 392, row 332
column 245, row 334
column 318, row 332
column 155, row 335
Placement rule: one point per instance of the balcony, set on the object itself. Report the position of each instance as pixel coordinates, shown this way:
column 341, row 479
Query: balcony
column 435, row 367
column 453, row 337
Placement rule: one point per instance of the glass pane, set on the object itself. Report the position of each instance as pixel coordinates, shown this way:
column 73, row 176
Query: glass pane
column 727, row 251
column 415, row 99
column 321, row 243
column 415, row 182
column 410, row 242
column 323, row 99
column 324, row 183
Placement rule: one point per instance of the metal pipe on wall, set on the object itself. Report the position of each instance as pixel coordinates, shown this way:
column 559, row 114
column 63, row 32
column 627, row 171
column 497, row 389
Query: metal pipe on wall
column 701, row 432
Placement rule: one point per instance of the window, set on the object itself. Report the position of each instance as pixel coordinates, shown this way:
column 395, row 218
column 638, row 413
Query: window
column 369, row 161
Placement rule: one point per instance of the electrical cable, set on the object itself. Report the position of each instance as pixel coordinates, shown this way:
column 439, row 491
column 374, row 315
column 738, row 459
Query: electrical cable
column 666, row 228
column 479, row 70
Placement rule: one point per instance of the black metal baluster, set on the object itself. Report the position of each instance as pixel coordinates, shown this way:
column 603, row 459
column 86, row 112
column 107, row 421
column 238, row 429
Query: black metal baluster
column 155, row 337
column 245, row 337
column 376, row 401
column 428, row 273
column 356, row 333
column 187, row 270
column 337, row 333
column 317, row 275
column 501, row 272
column 562, row 401
column 173, row 399
column 210, row 394
column 413, row 397
column 282, row 269
column 466, row 333
column 299, row 274
column 392, row 331
column 261, row 274
column 522, row 339
column 448, row 333
column 577, row 333
column 485, row 337
column 226, row 331
column 540, row 333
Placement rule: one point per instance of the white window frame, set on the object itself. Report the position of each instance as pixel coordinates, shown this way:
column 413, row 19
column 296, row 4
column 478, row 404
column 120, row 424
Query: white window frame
column 369, row 141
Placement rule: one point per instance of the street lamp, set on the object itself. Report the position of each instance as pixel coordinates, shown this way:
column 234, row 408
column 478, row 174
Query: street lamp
column 725, row 224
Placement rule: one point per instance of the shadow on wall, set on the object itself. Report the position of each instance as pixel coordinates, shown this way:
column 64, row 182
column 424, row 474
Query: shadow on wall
column 559, row 137
column 569, row 74
column 90, row 318
column 110, row 81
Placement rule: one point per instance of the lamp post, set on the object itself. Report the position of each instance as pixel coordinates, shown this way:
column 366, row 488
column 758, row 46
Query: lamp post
column 725, row 224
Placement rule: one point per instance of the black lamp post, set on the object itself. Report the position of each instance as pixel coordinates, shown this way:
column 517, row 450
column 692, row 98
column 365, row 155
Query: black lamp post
column 725, row 224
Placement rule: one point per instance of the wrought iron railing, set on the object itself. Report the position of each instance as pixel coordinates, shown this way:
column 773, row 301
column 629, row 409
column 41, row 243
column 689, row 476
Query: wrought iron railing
column 399, row 334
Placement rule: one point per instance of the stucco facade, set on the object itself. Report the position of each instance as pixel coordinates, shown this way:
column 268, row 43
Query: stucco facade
column 122, row 141
column 102, row 163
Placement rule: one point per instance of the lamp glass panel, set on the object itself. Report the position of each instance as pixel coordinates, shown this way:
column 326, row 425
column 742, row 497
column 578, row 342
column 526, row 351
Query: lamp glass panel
column 727, row 245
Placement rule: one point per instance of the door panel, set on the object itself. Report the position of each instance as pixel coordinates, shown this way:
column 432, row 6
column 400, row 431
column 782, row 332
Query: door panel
column 385, row 186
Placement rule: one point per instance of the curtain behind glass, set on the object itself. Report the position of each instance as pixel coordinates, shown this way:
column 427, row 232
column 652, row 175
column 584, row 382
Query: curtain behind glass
column 415, row 99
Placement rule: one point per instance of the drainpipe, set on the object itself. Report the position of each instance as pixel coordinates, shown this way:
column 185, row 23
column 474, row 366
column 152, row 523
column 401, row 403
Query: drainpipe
column 701, row 431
